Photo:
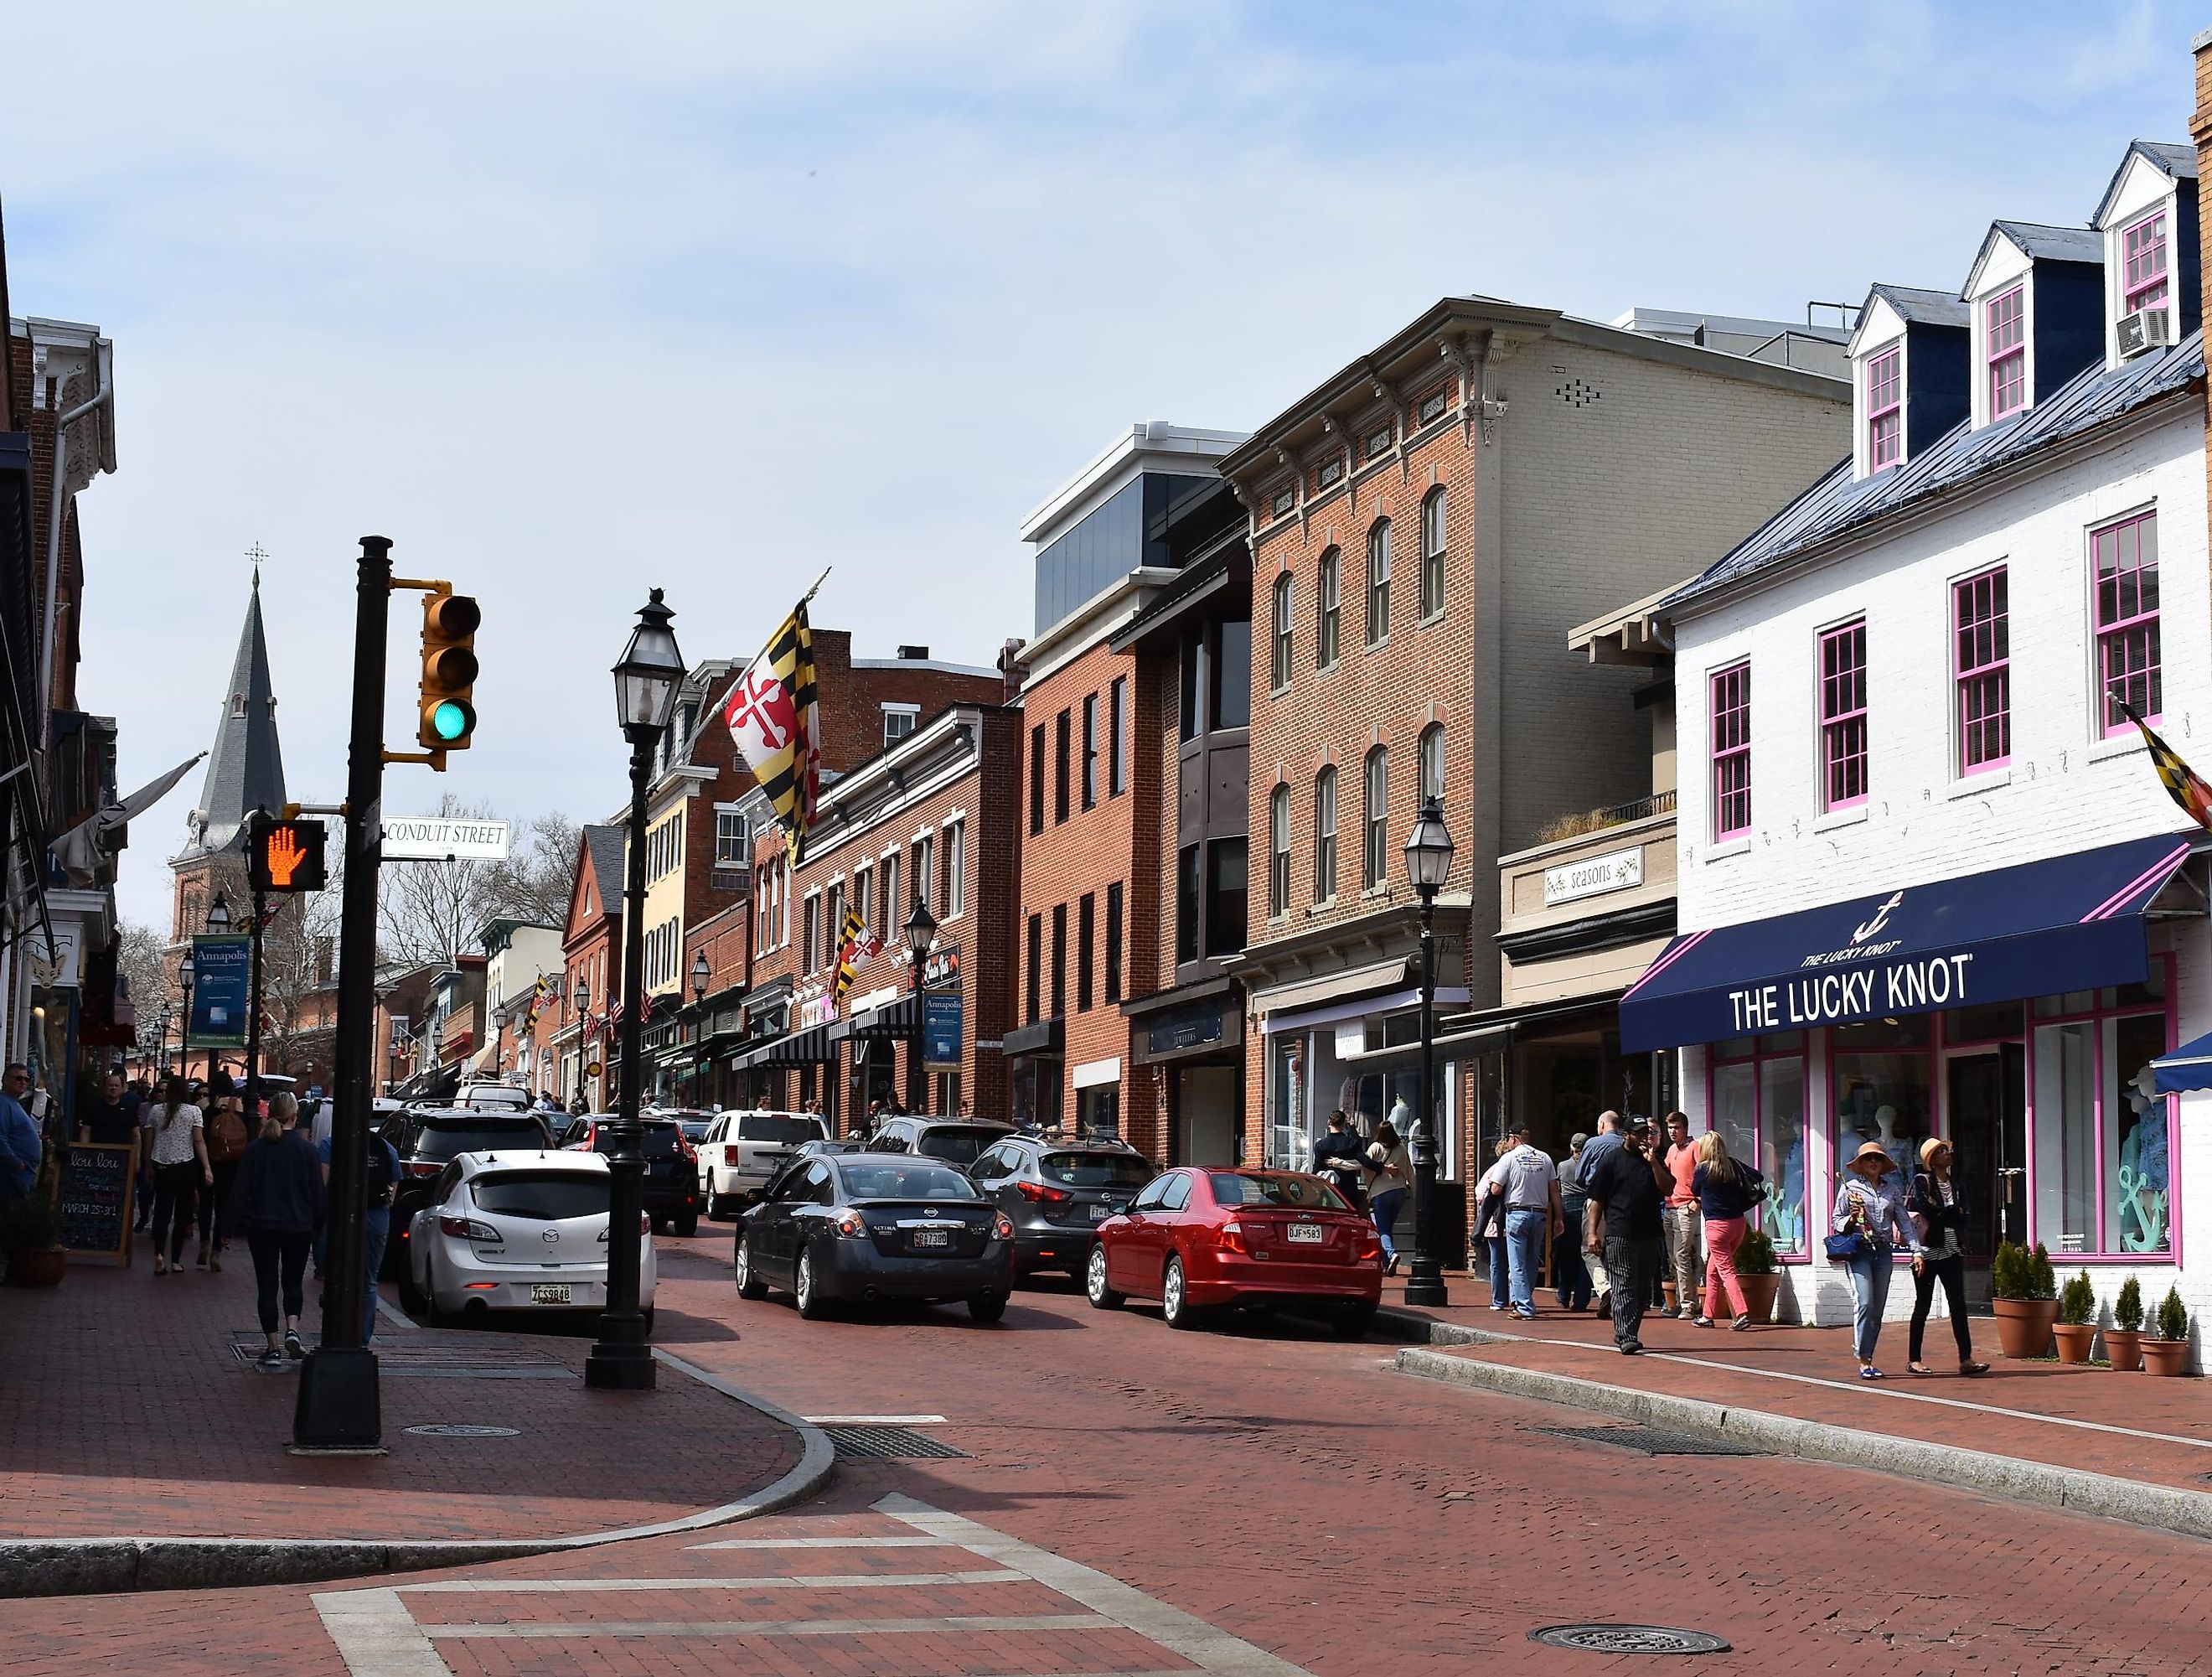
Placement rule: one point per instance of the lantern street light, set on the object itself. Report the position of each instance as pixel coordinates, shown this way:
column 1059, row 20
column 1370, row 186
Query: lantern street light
column 583, row 1034
column 218, row 917
column 1428, row 860
column 646, row 676
column 702, row 976
column 187, row 970
column 920, row 938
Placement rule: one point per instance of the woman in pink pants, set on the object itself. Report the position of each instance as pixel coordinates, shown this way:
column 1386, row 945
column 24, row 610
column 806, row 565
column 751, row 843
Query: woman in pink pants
column 1727, row 1189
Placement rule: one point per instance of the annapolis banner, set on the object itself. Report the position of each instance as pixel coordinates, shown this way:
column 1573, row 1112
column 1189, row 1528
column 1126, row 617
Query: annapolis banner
column 221, row 970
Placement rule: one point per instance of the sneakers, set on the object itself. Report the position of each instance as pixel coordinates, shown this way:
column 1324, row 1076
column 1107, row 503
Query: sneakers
column 1526, row 1316
column 293, row 1347
column 1741, row 1325
column 1633, row 1348
column 272, row 1358
column 1701, row 1322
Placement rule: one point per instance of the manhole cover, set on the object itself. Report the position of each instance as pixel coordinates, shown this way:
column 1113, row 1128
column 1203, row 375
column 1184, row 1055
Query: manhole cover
column 885, row 1443
column 1652, row 1441
column 1629, row 1639
column 461, row 1429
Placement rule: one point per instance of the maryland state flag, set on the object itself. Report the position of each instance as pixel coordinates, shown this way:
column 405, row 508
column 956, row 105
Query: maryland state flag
column 2182, row 783
column 773, row 715
column 849, row 954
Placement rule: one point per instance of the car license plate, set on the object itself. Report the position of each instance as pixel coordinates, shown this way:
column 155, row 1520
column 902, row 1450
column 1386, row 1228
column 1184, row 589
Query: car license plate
column 932, row 1237
column 1098, row 1213
column 1307, row 1234
column 549, row 1293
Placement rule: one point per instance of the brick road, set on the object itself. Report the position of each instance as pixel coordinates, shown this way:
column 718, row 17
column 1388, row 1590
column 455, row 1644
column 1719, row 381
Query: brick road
column 1283, row 1488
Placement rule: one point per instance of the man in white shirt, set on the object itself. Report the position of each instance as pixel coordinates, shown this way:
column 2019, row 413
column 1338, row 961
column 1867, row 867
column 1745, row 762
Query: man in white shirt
column 1528, row 1182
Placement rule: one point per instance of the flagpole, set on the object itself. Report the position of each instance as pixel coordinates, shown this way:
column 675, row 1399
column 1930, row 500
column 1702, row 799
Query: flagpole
column 715, row 709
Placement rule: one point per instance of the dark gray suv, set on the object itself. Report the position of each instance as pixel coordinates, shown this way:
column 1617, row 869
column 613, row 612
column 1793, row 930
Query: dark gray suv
column 1056, row 1190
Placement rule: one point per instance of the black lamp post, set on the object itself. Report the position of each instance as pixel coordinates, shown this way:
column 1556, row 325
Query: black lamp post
column 187, row 970
column 646, row 681
column 583, row 1035
column 1428, row 860
column 702, row 976
column 920, row 938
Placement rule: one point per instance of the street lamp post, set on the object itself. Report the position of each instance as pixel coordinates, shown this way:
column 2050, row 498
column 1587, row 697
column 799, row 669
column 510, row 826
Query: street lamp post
column 920, row 938
column 1428, row 860
column 187, row 970
column 646, row 679
column 583, row 1035
column 702, row 976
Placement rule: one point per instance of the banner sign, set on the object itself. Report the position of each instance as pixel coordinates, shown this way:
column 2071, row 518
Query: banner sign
column 95, row 1201
column 940, row 1027
column 222, row 970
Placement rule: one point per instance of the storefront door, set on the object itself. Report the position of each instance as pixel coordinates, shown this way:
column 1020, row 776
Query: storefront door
column 1987, row 1092
column 1205, row 1115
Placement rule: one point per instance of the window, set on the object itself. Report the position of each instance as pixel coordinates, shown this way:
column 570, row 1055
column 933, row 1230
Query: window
column 1114, row 941
column 899, row 721
column 2005, row 342
column 1117, row 735
column 1759, row 1107
column 1090, row 751
column 1324, row 834
column 1058, row 959
column 956, row 868
column 732, row 844
column 1325, row 623
column 1280, row 670
column 1843, row 717
column 1086, row 931
column 863, row 901
column 1885, row 406
column 1227, row 872
column 925, row 872
column 2126, row 558
column 1374, row 864
column 1059, row 767
column 1432, row 554
column 1378, row 582
column 1983, row 645
column 1188, row 904
column 1191, row 685
column 1431, row 765
column 1036, row 779
column 1731, row 708
column 810, row 944
column 1036, row 966
column 2142, row 257
column 1229, row 670
column 895, row 905
column 1279, row 852
column 2103, row 1177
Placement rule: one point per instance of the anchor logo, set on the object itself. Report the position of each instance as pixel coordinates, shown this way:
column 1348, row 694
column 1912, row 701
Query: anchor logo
column 1881, row 919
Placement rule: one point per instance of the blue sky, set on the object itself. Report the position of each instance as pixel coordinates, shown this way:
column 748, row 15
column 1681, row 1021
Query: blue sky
column 569, row 299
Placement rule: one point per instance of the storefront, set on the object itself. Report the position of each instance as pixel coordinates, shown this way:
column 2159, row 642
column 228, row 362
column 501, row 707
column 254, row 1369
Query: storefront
column 1190, row 1041
column 1035, row 1060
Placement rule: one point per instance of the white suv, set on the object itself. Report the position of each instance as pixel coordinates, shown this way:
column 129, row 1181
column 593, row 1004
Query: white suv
column 741, row 1150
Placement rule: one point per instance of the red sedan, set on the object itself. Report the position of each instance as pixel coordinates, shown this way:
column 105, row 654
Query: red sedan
column 1197, row 1240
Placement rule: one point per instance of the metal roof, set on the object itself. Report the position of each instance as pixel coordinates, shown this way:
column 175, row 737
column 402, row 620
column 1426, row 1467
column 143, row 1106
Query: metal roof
column 1916, row 306
column 2046, row 243
column 1838, row 504
column 2177, row 162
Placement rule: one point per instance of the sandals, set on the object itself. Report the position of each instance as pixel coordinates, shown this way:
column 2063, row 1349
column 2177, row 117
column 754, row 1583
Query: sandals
column 1920, row 1368
column 160, row 1265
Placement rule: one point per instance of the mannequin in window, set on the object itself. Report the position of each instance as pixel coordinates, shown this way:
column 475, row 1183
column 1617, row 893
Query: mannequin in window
column 1899, row 1147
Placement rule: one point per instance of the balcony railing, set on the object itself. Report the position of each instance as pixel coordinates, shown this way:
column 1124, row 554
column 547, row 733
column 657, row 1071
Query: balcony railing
column 1562, row 827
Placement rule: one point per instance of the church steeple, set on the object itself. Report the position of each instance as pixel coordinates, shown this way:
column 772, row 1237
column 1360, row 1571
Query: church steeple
column 245, row 769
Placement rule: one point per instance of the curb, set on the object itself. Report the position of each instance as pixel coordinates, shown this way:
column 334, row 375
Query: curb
column 112, row 1565
column 2162, row 1508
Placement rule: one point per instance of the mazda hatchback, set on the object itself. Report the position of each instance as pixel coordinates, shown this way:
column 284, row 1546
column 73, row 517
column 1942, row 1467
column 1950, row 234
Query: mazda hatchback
column 517, row 1232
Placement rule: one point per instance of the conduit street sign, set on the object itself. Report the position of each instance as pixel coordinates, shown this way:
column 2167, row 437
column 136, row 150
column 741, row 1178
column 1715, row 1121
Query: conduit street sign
column 441, row 838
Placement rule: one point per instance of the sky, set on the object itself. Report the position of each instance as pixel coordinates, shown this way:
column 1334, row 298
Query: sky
column 572, row 301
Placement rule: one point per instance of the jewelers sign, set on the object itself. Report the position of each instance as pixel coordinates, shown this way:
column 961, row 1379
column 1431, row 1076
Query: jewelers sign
column 1593, row 875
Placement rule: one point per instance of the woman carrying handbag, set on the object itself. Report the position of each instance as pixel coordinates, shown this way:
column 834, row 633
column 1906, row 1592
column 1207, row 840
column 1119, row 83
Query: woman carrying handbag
column 1938, row 1209
column 1867, row 1227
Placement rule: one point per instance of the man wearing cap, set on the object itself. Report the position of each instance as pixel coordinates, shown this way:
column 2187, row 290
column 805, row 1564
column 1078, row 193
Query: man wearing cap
column 1528, row 1182
column 1622, row 1225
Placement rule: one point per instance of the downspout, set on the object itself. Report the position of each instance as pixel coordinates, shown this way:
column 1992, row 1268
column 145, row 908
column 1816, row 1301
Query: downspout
column 99, row 399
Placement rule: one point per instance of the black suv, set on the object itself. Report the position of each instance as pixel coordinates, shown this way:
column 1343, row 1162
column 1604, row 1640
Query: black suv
column 957, row 1141
column 672, row 1166
column 1057, row 1190
column 426, row 1139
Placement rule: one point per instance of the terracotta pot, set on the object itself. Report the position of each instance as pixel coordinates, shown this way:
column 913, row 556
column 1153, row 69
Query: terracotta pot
column 1672, row 1299
column 37, row 1269
column 2024, row 1325
column 2168, row 1357
column 2074, row 1339
column 1759, row 1295
column 2126, row 1350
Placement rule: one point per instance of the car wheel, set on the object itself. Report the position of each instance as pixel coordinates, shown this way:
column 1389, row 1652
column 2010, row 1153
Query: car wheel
column 1102, row 1297
column 805, row 1291
column 1352, row 1321
column 648, row 1320
column 688, row 1224
column 410, row 1295
column 1175, row 1297
column 749, row 1284
column 659, row 1225
column 987, row 1307
column 718, row 1208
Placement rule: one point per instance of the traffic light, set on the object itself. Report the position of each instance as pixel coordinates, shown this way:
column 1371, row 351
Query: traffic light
column 449, row 672
column 287, row 855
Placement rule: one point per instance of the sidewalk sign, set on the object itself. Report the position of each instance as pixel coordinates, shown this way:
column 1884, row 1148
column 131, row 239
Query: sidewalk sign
column 96, row 1211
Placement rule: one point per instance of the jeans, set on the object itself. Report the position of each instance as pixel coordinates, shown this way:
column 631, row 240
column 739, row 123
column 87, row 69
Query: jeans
column 1952, row 1273
column 376, row 1232
column 1870, row 1273
column 1384, row 1208
column 1524, row 1250
column 279, row 1257
column 1723, row 1236
column 1568, row 1270
column 176, row 1191
column 212, row 1196
column 1501, row 1266
column 1683, row 1223
column 1634, row 1265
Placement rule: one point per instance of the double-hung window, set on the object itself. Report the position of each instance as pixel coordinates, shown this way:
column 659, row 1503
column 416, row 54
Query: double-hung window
column 1280, row 670
column 2005, row 343
column 1981, row 639
column 1432, row 553
column 1090, row 751
column 1117, row 735
column 1374, row 865
column 1431, row 765
column 956, row 868
column 1328, row 601
column 2142, row 258
column 1885, row 407
column 1325, row 835
column 1731, row 709
column 732, row 844
column 1843, row 717
column 2126, row 555
column 1378, row 582
column 1279, row 852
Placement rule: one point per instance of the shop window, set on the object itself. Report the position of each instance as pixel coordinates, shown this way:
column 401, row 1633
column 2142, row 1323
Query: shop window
column 946, row 1087
column 2102, row 1151
column 2125, row 556
column 1286, row 1101
column 1758, row 1108
column 1098, row 1110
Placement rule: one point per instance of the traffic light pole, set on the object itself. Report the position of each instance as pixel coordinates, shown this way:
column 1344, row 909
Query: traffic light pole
column 256, row 826
column 339, row 1406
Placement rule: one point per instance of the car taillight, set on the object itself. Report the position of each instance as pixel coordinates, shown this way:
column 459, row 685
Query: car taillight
column 1003, row 1227
column 422, row 1167
column 851, row 1225
column 731, row 1155
column 468, row 1229
column 1042, row 1194
column 644, row 1227
column 1370, row 1249
column 683, row 1146
column 1231, row 1237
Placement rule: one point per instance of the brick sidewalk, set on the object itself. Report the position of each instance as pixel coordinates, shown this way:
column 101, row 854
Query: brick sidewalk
column 129, row 1414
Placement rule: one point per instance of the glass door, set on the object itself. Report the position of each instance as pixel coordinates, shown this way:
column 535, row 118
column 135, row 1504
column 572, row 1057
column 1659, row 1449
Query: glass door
column 1986, row 1098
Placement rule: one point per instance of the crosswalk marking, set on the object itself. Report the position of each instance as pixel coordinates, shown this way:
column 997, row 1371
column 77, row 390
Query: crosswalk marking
column 832, row 1581
column 827, row 1543
column 775, row 1627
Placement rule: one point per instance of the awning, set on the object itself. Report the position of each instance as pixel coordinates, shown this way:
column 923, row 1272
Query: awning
column 894, row 1021
column 810, row 1047
column 2065, row 923
column 2188, row 1067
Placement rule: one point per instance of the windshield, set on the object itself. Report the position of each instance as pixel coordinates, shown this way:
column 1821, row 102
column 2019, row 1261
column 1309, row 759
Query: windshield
column 956, row 1146
column 478, row 1135
column 694, row 1128
column 549, row 1196
column 1307, row 1193
column 913, row 1181
column 659, row 1139
column 1095, row 1170
column 784, row 1129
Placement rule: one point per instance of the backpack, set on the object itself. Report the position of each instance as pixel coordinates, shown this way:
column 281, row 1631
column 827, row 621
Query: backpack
column 226, row 1138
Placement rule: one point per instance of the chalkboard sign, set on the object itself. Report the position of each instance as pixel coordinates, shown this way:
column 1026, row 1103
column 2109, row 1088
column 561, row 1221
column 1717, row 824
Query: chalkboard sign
column 96, row 1202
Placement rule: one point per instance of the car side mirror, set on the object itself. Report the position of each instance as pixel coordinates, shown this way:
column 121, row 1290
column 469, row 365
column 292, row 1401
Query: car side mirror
column 1118, row 1208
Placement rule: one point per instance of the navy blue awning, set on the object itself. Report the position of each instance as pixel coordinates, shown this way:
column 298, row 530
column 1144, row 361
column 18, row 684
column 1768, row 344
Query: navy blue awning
column 2188, row 1067
column 2065, row 923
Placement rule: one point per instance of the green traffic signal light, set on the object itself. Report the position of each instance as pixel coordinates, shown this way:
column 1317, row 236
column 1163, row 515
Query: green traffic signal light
column 450, row 720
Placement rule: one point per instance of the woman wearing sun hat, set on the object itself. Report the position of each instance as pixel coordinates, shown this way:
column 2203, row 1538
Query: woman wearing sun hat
column 1938, row 1212
column 1869, row 1205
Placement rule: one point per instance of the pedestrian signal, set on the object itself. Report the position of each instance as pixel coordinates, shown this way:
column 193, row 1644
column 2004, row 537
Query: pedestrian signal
column 449, row 672
column 288, row 856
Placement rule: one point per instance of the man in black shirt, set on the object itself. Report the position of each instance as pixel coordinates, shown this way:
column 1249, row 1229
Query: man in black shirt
column 1623, row 1225
column 109, row 1119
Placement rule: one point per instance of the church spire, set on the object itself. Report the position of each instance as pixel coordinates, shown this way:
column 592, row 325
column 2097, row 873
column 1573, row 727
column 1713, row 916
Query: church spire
column 245, row 769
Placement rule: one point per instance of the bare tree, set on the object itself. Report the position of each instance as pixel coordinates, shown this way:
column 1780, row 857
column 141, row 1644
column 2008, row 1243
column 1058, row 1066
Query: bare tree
column 142, row 961
column 431, row 911
column 533, row 883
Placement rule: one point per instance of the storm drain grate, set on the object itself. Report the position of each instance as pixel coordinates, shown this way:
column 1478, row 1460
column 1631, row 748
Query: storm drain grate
column 887, row 1444
column 1629, row 1639
column 1652, row 1441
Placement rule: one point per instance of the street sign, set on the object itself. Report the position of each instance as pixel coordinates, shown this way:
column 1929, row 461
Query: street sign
column 441, row 838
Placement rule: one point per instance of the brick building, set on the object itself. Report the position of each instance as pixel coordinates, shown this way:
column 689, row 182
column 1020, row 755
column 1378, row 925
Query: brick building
column 711, row 1026
column 591, row 959
column 1426, row 528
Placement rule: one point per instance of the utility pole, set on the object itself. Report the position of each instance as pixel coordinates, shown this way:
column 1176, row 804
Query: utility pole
column 256, row 835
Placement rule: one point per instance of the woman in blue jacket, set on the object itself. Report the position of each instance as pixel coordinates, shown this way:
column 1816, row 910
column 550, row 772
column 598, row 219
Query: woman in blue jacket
column 278, row 1200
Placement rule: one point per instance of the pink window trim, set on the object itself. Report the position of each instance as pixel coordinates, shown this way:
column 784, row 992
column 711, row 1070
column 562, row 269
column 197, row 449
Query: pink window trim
column 1843, row 717
column 1885, row 409
column 1981, row 668
column 1730, row 691
column 2143, row 263
column 2130, row 637
column 2005, row 343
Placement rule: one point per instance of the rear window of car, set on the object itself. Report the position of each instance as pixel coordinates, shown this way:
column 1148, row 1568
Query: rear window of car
column 477, row 1134
column 499, row 1100
column 782, row 1129
column 913, row 1181
column 659, row 1139
column 1095, row 1170
column 549, row 1196
column 1306, row 1192
column 957, row 1146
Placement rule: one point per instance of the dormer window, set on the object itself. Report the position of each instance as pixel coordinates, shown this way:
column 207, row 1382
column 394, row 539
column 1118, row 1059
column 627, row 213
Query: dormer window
column 1885, row 407
column 2142, row 258
column 2005, row 341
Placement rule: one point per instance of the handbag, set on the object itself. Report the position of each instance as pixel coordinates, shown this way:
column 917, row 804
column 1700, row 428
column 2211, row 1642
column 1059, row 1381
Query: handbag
column 1848, row 1244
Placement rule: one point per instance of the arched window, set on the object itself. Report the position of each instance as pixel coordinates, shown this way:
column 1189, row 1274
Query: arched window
column 1326, row 589
column 1375, row 868
column 1279, row 852
column 1433, row 762
column 1378, row 582
column 1324, row 834
column 1432, row 553
column 1281, row 671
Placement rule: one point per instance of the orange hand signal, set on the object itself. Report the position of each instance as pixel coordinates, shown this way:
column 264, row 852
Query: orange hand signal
column 285, row 854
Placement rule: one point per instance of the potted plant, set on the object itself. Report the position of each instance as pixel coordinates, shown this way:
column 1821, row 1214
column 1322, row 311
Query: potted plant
column 1759, row 1274
column 2168, row 1352
column 30, row 1233
column 2124, row 1338
column 2020, row 1297
column 2075, row 1329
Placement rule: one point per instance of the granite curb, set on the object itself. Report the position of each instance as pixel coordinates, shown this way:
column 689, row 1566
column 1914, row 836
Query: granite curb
column 111, row 1565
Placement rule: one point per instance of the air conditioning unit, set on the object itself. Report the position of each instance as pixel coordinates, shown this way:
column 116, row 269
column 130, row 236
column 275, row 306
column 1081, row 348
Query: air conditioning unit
column 2145, row 329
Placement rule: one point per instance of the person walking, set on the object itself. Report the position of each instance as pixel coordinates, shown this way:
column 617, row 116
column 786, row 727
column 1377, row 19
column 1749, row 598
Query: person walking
column 108, row 1121
column 1336, row 1157
column 380, row 1173
column 278, row 1200
column 1526, row 1184
column 1938, row 1211
column 1869, row 1211
column 20, row 1146
column 1490, row 1230
column 1389, row 1174
column 1684, row 1220
column 1611, row 1131
column 1569, row 1272
column 177, row 1142
column 1623, row 1223
column 226, row 1141
column 1727, row 1189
